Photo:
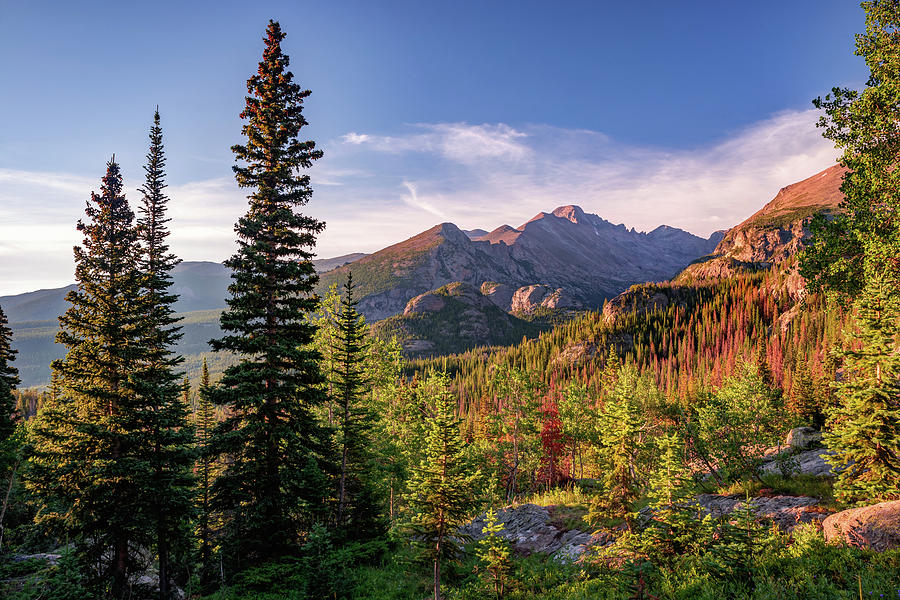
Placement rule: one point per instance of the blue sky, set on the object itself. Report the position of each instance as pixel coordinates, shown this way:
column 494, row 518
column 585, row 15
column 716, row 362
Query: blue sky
column 686, row 113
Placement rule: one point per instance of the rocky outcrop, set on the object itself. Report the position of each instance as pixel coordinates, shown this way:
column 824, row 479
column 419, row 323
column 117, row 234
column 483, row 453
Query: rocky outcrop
column 803, row 438
column 784, row 511
column 424, row 303
column 876, row 527
column 529, row 529
column 775, row 233
column 810, row 462
column 529, row 298
column 498, row 293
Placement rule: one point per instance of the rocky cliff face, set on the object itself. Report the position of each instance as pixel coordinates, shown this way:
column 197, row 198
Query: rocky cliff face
column 576, row 258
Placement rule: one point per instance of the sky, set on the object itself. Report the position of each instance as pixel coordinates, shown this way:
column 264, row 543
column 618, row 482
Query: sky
column 691, row 114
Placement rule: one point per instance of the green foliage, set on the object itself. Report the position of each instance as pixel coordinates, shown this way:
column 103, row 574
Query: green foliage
column 357, row 504
column 853, row 257
column 864, row 430
column 622, row 445
column 728, row 424
column 273, row 488
column 439, row 497
column 9, row 379
column 494, row 553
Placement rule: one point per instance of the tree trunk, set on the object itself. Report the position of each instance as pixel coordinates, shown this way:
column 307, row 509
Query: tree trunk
column 12, row 479
column 437, row 578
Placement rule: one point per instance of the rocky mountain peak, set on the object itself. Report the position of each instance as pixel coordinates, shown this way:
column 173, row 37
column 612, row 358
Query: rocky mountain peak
column 571, row 213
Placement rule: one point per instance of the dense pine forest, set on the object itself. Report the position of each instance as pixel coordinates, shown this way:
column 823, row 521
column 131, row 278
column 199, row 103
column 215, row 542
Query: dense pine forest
column 634, row 452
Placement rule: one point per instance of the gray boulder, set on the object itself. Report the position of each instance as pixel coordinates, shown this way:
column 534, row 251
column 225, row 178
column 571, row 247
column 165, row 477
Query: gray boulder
column 785, row 511
column 811, row 462
column 876, row 526
column 803, row 438
column 528, row 529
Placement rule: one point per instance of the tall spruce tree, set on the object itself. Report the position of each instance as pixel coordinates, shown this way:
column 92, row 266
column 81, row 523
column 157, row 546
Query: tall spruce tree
column 9, row 379
column 855, row 257
column 440, row 496
column 88, row 466
column 272, row 489
column 169, row 438
column 356, row 502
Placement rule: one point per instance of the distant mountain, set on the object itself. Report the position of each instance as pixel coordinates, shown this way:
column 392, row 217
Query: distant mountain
column 201, row 287
column 776, row 232
column 587, row 257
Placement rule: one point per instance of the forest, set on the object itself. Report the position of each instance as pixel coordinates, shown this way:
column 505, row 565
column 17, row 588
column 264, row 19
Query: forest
column 311, row 459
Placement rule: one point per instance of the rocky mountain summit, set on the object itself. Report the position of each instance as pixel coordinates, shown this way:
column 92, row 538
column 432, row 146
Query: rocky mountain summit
column 569, row 258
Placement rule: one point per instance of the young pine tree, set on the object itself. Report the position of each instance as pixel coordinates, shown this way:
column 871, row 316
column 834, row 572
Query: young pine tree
column 89, row 467
column 440, row 495
column 206, row 473
column 356, row 502
column 164, row 414
column 271, row 491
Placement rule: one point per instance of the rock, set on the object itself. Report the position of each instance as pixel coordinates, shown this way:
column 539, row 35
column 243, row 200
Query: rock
column 876, row 526
column 50, row 558
column 803, row 438
column 498, row 293
column 427, row 302
column 811, row 462
column 528, row 529
column 785, row 511
column 529, row 297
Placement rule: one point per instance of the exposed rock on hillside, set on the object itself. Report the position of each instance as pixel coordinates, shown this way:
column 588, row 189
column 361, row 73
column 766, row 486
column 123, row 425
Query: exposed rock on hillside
column 876, row 526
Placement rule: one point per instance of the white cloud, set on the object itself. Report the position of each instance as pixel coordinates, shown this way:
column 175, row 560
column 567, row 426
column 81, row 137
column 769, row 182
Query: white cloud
column 355, row 138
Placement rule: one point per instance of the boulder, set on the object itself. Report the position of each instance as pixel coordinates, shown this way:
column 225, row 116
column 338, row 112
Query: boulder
column 803, row 438
column 876, row 527
column 785, row 511
column 811, row 462
column 528, row 529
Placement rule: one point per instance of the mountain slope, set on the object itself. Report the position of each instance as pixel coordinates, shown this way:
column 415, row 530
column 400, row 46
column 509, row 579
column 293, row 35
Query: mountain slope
column 776, row 232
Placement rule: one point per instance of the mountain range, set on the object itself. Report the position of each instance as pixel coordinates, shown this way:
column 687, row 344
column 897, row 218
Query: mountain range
column 588, row 257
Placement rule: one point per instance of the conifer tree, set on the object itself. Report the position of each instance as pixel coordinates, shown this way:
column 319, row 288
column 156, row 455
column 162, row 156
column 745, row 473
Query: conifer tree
column 355, row 493
column 272, row 488
column 206, row 473
column 169, row 439
column 10, row 443
column 88, row 466
column 9, row 379
column 440, row 489
column 865, row 429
